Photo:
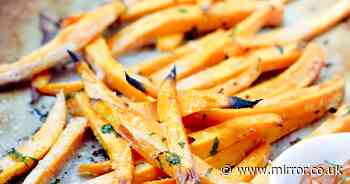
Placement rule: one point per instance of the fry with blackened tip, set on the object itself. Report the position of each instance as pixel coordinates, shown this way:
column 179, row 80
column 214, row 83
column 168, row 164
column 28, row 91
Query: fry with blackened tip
column 74, row 56
column 237, row 103
column 137, row 84
column 172, row 74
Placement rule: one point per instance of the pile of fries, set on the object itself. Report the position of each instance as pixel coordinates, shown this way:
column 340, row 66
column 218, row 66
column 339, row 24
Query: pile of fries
column 184, row 115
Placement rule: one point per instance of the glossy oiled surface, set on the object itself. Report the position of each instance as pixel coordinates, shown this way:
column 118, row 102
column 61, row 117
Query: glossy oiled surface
column 20, row 34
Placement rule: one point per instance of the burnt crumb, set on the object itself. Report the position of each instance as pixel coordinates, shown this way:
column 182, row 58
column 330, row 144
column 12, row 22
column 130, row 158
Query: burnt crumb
column 235, row 84
column 226, row 56
column 332, row 110
column 221, row 90
column 150, row 46
column 118, row 93
column 35, row 95
column 204, row 116
column 296, row 140
column 100, row 152
column 328, row 65
column 247, row 96
column 79, row 156
column 191, row 140
column 41, row 115
column 193, row 34
column 317, row 111
column 126, row 105
column 93, row 146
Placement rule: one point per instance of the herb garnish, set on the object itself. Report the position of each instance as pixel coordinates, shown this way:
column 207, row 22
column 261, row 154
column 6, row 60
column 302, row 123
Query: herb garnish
column 237, row 103
column 172, row 158
column 137, row 84
column 214, row 147
column 108, row 128
column 19, row 156
column 181, row 144
column 182, row 10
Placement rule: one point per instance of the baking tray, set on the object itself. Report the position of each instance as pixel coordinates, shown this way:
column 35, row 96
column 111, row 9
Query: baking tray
column 20, row 33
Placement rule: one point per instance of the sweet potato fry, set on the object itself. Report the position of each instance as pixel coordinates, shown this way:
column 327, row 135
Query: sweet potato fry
column 149, row 143
column 22, row 159
column 235, row 153
column 69, row 140
column 340, row 122
column 114, row 73
column 305, row 30
column 117, row 148
column 41, row 82
column 150, row 66
column 169, row 42
column 238, row 83
column 214, row 52
column 231, row 131
column 142, row 8
column 73, row 37
column 270, row 58
column 96, row 89
column 175, row 19
column 170, row 117
column 257, row 158
column 303, row 73
column 295, row 113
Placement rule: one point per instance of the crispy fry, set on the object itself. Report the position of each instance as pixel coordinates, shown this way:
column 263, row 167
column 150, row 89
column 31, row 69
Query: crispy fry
column 214, row 52
column 238, row 83
column 41, row 83
column 150, row 66
column 295, row 113
column 169, row 42
column 340, row 122
column 175, row 19
column 270, row 58
column 257, row 158
column 22, row 159
column 146, row 7
column 96, row 89
column 162, row 181
column 148, row 142
column 170, row 117
column 117, row 149
column 232, row 131
column 303, row 73
column 68, row 142
column 305, row 30
column 54, row 52
column 235, row 153
column 67, row 21
column 114, row 73
column 96, row 169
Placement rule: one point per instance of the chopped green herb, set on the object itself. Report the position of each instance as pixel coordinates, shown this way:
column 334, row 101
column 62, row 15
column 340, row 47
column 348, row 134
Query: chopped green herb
column 182, row 10
column 152, row 133
column 181, row 144
column 214, row 147
column 172, row 158
column 19, row 156
column 207, row 173
column 56, row 181
column 108, row 128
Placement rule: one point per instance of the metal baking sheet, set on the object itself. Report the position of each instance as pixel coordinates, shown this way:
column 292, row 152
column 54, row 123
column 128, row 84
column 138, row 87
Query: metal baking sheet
column 20, row 34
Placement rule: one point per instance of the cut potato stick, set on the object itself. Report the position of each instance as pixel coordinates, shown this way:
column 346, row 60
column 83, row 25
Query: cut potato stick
column 170, row 117
column 339, row 122
column 162, row 181
column 142, row 8
column 258, row 158
column 22, row 159
column 235, row 153
column 41, row 82
column 303, row 73
column 212, row 53
column 238, row 83
column 305, row 30
column 97, row 169
column 68, row 142
column 54, row 52
column 117, row 149
column 231, row 131
column 148, row 142
column 150, row 66
column 114, row 73
column 96, row 89
column 295, row 113
column 169, row 42
column 270, row 59
column 173, row 20
column 72, row 19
